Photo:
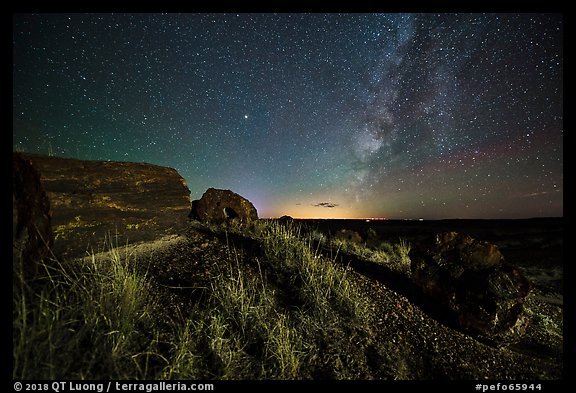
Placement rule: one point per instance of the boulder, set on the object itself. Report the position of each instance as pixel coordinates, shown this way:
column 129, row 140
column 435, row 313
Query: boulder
column 221, row 206
column 471, row 280
column 121, row 201
column 32, row 236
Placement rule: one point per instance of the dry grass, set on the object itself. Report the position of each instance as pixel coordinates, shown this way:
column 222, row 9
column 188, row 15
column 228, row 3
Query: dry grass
column 287, row 313
column 87, row 321
column 274, row 306
column 393, row 256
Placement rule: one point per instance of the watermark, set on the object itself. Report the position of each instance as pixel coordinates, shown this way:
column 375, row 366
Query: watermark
column 109, row 386
column 485, row 387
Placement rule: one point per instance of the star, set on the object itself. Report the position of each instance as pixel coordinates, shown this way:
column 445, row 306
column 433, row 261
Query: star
column 387, row 115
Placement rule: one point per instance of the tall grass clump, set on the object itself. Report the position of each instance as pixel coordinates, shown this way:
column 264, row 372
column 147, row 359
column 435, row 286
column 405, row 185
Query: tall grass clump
column 239, row 332
column 393, row 256
column 89, row 319
column 281, row 312
column 315, row 294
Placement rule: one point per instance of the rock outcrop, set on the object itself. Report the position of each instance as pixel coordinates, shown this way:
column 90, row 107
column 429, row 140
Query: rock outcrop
column 128, row 202
column 32, row 236
column 470, row 278
column 221, row 206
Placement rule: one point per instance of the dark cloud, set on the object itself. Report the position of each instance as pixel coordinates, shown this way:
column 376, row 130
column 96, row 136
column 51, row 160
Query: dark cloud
column 325, row 204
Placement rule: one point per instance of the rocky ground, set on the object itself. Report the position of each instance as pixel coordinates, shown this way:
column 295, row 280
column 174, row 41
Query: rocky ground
column 413, row 341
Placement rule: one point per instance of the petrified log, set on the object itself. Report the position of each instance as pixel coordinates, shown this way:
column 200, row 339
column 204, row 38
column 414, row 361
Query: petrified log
column 124, row 201
column 220, row 206
column 472, row 280
column 31, row 231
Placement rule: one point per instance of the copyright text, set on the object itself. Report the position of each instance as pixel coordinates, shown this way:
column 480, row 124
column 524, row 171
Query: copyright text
column 101, row 387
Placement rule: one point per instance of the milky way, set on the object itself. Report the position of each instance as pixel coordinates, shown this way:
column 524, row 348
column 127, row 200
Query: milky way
column 311, row 115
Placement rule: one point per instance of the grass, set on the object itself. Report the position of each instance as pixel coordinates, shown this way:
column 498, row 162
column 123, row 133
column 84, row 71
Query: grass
column 265, row 301
column 277, row 304
column 86, row 321
column 393, row 256
column 286, row 312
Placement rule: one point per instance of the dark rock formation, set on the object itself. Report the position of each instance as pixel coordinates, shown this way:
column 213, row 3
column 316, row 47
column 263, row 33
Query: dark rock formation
column 286, row 218
column 220, row 206
column 125, row 201
column 32, row 235
column 192, row 214
column 349, row 235
column 470, row 278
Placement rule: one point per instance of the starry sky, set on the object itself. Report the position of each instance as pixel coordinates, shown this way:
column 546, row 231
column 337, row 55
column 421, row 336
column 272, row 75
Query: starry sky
column 329, row 115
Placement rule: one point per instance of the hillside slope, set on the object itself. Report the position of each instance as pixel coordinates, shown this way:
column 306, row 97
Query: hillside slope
column 267, row 302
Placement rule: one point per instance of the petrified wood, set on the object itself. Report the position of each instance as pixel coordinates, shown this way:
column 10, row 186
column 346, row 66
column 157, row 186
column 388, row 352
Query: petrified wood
column 119, row 201
column 220, row 206
column 32, row 235
column 471, row 279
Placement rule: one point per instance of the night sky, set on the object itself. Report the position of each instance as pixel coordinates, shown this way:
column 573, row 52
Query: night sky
column 312, row 115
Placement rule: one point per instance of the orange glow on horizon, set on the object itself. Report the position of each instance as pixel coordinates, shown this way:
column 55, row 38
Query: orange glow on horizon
column 317, row 212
